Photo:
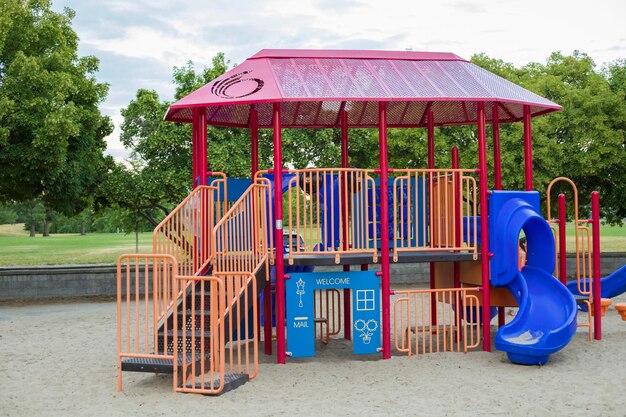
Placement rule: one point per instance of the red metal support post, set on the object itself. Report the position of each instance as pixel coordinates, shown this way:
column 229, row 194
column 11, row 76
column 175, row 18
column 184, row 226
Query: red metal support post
column 267, row 293
column 281, row 346
column 484, row 225
column 562, row 244
column 202, row 147
column 430, row 133
column 497, row 171
column 384, row 228
column 497, row 162
column 347, row 319
column 457, row 225
column 597, row 291
column 457, row 212
column 194, row 147
column 528, row 149
column 254, row 142
column 430, row 127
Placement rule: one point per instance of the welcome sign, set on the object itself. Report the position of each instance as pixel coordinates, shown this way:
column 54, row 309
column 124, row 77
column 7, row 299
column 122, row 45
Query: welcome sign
column 365, row 286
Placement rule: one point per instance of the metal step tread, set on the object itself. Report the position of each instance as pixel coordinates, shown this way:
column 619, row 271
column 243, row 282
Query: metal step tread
column 170, row 334
column 231, row 381
column 188, row 313
column 156, row 365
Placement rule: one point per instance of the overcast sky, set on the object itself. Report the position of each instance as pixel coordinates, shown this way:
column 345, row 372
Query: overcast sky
column 138, row 42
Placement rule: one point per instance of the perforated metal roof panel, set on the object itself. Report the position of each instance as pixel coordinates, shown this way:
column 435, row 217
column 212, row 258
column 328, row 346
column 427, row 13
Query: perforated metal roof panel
column 313, row 86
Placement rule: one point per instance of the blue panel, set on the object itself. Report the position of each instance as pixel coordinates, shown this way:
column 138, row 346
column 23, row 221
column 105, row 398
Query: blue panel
column 413, row 224
column 366, row 323
column 236, row 187
column 330, row 215
column 300, row 320
column 365, row 286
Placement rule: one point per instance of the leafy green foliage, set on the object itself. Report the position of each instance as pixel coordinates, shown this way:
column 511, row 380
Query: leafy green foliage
column 51, row 131
column 585, row 142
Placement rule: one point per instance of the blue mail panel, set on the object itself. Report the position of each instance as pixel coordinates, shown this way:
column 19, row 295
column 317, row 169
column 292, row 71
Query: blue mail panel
column 300, row 324
column 365, row 286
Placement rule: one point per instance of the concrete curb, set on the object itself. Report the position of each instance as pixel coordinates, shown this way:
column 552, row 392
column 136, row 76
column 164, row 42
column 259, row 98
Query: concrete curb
column 61, row 281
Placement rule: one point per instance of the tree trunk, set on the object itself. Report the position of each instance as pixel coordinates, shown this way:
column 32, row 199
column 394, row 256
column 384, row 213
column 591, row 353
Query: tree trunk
column 32, row 220
column 46, row 225
column 82, row 228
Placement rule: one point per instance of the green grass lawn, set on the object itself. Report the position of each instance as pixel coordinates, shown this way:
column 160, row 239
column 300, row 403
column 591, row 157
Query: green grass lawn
column 17, row 248
column 612, row 238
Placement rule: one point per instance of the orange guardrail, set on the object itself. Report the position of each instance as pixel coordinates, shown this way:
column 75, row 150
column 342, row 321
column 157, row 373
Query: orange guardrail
column 242, row 239
column 582, row 239
column 451, row 331
column 583, row 249
column 319, row 211
column 185, row 232
column 342, row 218
column 224, row 344
column 219, row 181
column 338, row 213
column 218, row 334
column 146, row 294
column 432, row 206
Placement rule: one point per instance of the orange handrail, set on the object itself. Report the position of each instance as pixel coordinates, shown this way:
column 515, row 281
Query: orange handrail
column 582, row 239
column 222, row 344
column 450, row 332
column 184, row 233
column 141, row 312
column 191, row 240
column 240, row 247
column 242, row 239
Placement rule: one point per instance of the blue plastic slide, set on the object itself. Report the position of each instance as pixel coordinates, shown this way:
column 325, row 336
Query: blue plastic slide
column 611, row 286
column 546, row 320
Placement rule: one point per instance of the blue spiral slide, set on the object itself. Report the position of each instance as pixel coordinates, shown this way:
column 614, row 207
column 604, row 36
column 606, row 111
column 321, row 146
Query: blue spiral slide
column 546, row 320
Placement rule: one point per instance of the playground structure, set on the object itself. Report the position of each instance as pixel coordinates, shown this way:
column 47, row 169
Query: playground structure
column 191, row 308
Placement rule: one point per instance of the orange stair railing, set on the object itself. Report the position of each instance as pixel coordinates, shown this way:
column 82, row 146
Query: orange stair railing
column 185, row 232
column 227, row 346
column 146, row 290
column 242, row 239
column 415, row 332
column 218, row 312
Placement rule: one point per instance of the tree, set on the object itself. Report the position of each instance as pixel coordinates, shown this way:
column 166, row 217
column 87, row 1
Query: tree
column 51, row 131
column 585, row 142
column 160, row 176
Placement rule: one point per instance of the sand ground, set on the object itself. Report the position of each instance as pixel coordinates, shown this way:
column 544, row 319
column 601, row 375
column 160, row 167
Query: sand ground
column 59, row 359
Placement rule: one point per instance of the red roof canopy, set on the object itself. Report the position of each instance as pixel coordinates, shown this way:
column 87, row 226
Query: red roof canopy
column 314, row 86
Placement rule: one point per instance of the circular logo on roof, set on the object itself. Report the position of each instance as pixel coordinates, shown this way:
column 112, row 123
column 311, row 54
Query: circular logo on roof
column 236, row 86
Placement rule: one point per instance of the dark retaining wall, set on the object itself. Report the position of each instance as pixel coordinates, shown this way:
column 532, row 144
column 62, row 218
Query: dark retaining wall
column 31, row 282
